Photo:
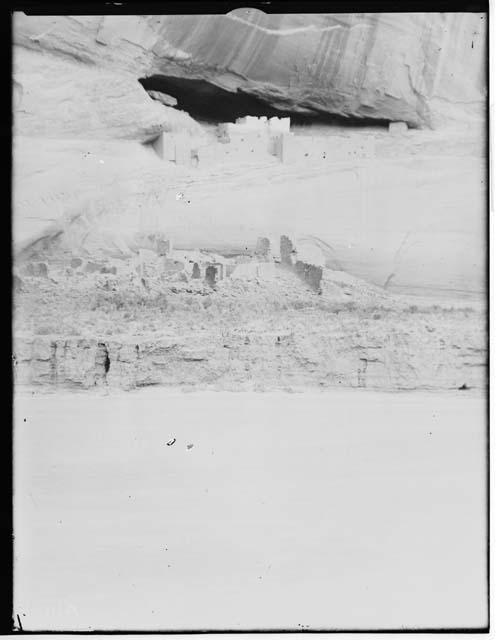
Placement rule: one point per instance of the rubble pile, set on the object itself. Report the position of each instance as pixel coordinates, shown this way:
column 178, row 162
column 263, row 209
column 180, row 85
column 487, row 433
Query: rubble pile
column 264, row 320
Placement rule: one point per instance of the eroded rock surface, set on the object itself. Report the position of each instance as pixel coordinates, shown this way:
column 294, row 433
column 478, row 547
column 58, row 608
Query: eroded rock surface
column 94, row 196
column 411, row 358
column 398, row 67
column 266, row 330
column 85, row 168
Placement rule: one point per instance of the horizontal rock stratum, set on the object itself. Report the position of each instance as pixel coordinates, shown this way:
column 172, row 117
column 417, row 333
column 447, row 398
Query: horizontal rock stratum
column 80, row 327
column 395, row 67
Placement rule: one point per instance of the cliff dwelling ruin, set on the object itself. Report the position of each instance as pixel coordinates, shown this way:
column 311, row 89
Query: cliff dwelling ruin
column 249, row 333
column 252, row 138
column 225, row 157
column 250, row 129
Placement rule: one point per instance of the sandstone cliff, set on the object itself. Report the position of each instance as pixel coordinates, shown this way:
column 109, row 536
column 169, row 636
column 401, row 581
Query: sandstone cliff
column 82, row 121
column 382, row 66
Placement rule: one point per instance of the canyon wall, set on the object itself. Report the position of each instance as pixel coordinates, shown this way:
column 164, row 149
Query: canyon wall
column 384, row 66
column 83, row 166
column 400, row 360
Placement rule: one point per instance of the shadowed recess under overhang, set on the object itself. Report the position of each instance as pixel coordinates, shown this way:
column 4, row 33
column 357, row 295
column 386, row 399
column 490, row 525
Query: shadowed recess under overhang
column 208, row 102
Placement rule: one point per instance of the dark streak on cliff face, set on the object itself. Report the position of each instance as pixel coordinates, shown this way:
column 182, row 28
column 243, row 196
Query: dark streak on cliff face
column 102, row 363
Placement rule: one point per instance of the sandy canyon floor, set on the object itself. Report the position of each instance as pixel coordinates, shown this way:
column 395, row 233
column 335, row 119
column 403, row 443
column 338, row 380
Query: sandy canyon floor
column 155, row 510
